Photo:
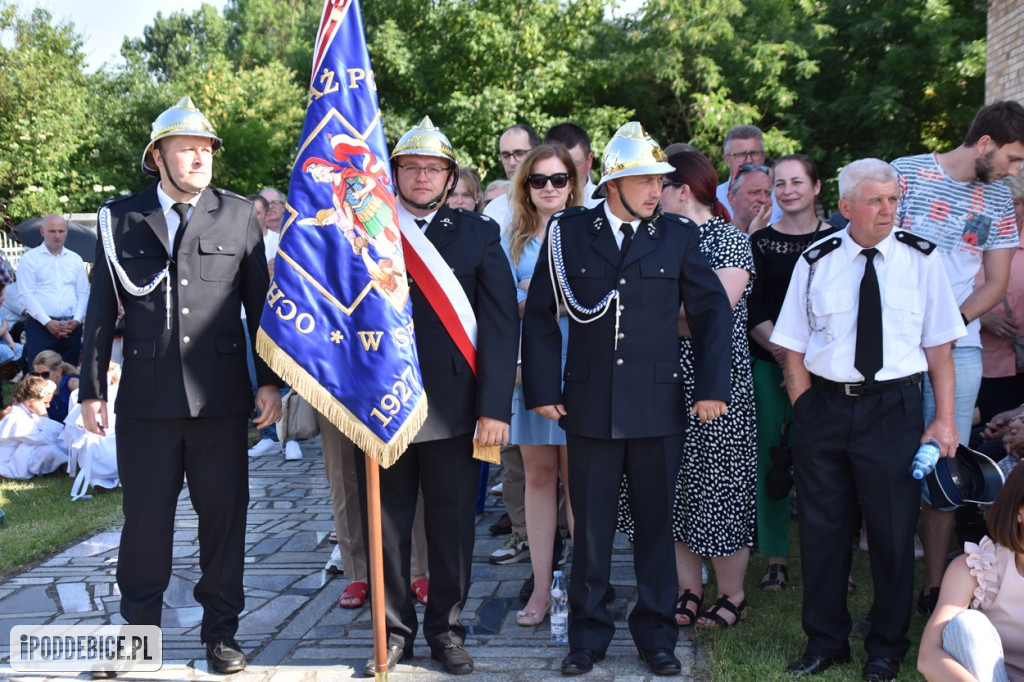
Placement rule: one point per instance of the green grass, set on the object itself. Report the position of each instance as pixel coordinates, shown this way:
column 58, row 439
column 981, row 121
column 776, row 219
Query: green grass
column 771, row 636
column 42, row 519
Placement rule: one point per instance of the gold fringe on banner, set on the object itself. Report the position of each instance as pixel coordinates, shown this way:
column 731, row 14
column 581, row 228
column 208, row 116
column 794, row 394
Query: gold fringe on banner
column 487, row 453
column 303, row 383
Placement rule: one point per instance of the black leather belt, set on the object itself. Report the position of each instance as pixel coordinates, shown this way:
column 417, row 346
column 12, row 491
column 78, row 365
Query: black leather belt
column 867, row 387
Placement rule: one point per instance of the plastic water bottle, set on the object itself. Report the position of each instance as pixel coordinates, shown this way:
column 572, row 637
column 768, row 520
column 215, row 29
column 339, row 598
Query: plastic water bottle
column 925, row 459
column 559, row 611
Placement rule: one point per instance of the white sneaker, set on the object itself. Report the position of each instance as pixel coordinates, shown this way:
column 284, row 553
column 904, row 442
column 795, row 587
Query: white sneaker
column 292, row 450
column 334, row 566
column 265, row 447
column 496, row 490
column 516, row 548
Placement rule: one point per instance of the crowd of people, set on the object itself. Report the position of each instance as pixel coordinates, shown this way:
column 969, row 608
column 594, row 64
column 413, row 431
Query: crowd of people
column 694, row 350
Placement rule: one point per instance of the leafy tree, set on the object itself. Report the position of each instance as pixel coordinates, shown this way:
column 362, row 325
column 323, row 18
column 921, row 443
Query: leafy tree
column 271, row 32
column 46, row 113
column 478, row 67
column 179, row 43
column 896, row 79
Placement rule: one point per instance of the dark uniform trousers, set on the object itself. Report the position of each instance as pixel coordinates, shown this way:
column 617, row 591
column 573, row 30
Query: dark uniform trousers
column 848, row 448
column 596, row 466
column 218, row 487
column 448, row 475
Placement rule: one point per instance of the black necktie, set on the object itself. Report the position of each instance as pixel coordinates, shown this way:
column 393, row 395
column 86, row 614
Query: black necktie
column 182, row 211
column 627, row 237
column 421, row 223
column 868, row 356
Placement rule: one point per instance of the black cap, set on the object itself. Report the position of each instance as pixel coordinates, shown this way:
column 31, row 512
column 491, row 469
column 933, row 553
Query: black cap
column 968, row 477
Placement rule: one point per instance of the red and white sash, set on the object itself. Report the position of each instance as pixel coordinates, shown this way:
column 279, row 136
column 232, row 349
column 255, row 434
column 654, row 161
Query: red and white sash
column 442, row 290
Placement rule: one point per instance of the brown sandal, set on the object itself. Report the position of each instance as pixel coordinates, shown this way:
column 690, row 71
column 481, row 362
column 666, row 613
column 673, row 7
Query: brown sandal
column 775, row 578
column 683, row 609
column 723, row 604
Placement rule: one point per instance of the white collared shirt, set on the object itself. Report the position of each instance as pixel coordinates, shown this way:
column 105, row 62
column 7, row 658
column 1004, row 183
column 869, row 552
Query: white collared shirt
column 918, row 309
column 167, row 206
column 53, row 286
column 408, row 220
column 617, row 223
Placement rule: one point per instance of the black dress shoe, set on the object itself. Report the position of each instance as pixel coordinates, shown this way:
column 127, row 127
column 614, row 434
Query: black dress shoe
column 225, row 656
column 881, row 669
column 662, row 662
column 580, row 661
column 103, row 674
column 812, row 664
column 455, row 659
column 395, row 654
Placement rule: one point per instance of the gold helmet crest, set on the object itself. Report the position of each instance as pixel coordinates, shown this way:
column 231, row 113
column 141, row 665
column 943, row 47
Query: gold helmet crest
column 181, row 119
column 631, row 151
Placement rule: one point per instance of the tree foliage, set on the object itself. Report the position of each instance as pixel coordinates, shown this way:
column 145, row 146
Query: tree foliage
column 837, row 79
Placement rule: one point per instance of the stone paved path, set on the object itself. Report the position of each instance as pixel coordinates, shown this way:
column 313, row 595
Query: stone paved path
column 292, row 629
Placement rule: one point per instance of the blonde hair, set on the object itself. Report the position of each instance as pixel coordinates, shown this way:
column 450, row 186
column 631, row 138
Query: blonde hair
column 53, row 360
column 525, row 220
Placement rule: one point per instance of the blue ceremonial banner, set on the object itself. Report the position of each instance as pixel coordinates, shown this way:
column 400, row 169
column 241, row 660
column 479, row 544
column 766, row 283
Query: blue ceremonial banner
column 337, row 324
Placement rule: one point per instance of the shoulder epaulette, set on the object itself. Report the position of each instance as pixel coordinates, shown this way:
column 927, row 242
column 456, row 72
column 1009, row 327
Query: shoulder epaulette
column 915, row 241
column 114, row 200
column 473, row 215
column 228, row 193
column 571, row 211
column 681, row 219
column 821, row 249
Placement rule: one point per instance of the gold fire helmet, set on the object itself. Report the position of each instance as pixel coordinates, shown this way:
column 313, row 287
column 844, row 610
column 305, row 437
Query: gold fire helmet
column 181, row 119
column 426, row 140
column 631, row 151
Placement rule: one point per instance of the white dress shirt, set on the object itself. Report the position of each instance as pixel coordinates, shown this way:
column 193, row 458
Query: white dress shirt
column 918, row 309
column 616, row 224
column 170, row 216
column 53, row 286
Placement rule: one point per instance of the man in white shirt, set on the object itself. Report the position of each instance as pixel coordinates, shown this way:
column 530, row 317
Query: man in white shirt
column 54, row 290
column 513, row 146
column 868, row 312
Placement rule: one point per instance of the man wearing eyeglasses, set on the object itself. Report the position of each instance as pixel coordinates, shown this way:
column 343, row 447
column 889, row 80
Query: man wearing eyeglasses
column 744, row 145
column 461, row 291
column 513, row 146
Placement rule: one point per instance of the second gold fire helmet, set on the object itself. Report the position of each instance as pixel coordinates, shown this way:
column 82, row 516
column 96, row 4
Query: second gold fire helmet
column 631, row 151
column 181, row 119
column 425, row 139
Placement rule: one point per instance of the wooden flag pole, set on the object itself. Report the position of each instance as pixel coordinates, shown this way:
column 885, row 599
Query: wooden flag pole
column 380, row 635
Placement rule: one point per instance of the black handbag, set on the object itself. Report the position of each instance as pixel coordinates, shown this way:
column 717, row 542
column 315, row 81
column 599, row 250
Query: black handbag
column 779, row 480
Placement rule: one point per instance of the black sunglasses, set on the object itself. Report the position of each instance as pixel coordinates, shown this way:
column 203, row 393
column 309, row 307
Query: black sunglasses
column 669, row 183
column 538, row 181
column 44, row 375
column 747, row 167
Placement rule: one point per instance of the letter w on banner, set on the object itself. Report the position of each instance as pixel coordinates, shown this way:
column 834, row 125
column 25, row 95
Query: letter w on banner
column 337, row 325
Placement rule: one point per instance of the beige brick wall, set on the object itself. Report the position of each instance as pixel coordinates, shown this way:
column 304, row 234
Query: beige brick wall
column 1004, row 75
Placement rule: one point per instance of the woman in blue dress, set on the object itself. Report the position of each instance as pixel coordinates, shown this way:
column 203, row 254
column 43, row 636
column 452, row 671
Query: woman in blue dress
column 545, row 183
column 48, row 364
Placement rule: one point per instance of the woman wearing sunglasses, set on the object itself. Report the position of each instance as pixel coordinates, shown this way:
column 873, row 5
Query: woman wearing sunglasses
column 776, row 250
column 714, row 508
column 544, row 184
column 49, row 365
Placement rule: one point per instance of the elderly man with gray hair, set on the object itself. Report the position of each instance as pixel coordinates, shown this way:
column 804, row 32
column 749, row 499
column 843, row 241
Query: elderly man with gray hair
column 867, row 312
